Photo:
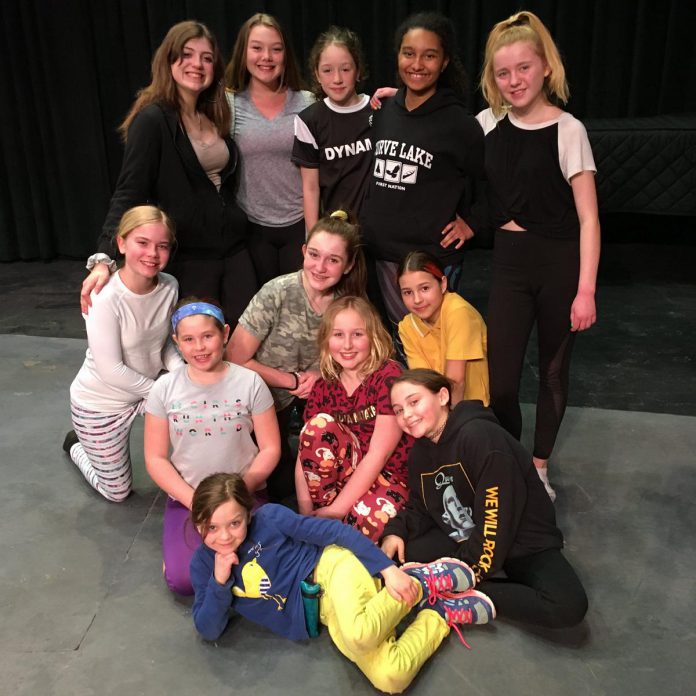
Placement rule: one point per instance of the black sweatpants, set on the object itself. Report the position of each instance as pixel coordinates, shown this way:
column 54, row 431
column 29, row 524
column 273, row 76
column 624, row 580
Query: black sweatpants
column 276, row 251
column 541, row 589
column 535, row 280
column 231, row 281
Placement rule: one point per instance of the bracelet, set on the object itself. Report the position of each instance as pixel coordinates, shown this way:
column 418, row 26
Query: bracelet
column 297, row 380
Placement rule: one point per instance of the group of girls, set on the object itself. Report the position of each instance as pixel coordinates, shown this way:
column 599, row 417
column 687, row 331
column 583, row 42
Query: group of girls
column 469, row 504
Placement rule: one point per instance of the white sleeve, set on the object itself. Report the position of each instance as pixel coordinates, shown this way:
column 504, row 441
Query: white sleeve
column 104, row 339
column 574, row 149
column 487, row 120
column 303, row 134
column 171, row 356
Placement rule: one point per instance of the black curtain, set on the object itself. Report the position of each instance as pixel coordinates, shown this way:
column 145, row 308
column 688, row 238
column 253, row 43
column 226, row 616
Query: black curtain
column 72, row 67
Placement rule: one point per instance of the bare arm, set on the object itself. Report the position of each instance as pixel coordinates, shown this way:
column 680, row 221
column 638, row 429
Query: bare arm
column 158, row 464
column 268, row 440
column 310, row 195
column 96, row 280
column 385, row 437
column 241, row 350
column 455, row 371
column 583, row 312
column 304, row 502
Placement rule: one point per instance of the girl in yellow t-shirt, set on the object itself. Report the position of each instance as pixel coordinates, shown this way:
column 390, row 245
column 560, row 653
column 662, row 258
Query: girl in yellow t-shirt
column 443, row 332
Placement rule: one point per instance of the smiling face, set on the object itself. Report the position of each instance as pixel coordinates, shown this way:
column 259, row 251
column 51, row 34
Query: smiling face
column 349, row 342
column 201, row 342
column 193, row 71
column 325, row 261
column 422, row 294
column 146, row 249
column 265, row 55
column 337, row 75
column 421, row 60
column 418, row 411
column 519, row 73
column 227, row 527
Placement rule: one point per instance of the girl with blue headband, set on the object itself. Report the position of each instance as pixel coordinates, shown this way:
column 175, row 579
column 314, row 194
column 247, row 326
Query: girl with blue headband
column 208, row 417
column 127, row 332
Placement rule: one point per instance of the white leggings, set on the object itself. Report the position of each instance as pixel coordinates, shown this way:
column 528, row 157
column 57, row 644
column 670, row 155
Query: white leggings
column 103, row 452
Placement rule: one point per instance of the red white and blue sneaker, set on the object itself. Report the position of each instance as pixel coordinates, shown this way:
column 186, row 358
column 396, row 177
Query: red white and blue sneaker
column 442, row 577
column 470, row 607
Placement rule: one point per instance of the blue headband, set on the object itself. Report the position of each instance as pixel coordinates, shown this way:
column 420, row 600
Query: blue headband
column 192, row 308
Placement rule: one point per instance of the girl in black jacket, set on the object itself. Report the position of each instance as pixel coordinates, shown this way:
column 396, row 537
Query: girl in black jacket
column 179, row 156
column 474, row 495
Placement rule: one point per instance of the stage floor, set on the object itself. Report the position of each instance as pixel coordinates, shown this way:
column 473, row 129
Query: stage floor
column 85, row 609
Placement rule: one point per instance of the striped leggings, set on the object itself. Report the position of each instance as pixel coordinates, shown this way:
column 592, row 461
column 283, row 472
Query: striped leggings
column 103, row 451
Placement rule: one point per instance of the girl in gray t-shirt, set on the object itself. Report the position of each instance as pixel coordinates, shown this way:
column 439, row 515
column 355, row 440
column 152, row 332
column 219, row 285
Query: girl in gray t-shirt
column 199, row 421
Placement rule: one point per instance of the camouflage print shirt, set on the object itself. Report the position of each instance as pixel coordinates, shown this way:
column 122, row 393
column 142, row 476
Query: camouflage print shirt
column 280, row 316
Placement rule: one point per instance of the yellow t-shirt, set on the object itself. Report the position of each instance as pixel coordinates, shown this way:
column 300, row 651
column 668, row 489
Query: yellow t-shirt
column 459, row 334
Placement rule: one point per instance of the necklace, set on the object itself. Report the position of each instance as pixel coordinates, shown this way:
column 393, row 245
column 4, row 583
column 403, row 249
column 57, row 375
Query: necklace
column 314, row 303
column 436, row 434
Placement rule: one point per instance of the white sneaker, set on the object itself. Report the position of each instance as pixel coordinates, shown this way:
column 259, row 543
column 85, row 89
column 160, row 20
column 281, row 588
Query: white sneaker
column 543, row 473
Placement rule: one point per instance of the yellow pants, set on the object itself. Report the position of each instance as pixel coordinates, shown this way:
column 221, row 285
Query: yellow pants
column 362, row 619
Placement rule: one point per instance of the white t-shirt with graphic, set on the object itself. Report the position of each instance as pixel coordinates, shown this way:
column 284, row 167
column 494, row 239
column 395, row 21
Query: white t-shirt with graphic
column 210, row 425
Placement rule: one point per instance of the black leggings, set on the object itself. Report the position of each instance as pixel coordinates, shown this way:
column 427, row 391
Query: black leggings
column 540, row 590
column 276, row 250
column 231, row 281
column 535, row 279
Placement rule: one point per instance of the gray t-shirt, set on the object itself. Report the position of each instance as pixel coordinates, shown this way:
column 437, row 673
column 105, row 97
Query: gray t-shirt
column 210, row 425
column 270, row 185
column 280, row 316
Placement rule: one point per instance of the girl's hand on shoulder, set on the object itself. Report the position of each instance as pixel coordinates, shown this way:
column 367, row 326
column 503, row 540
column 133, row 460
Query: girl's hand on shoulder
column 583, row 312
column 381, row 93
column 402, row 587
column 223, row 566
column 456, row 231
column 393, row 546
column 306, row 383
column 96, row 280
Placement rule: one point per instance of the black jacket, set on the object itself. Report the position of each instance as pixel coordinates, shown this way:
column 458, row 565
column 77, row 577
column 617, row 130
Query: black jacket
column 479, row 463
column 160, row 167
column 425, row 164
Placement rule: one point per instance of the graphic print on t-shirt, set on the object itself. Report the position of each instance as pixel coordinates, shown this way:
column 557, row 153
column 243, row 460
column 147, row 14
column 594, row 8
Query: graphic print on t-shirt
column 397, row 171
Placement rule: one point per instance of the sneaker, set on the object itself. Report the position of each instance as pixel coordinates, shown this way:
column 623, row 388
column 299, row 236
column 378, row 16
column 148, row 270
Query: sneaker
column 441, row 577
column 470, row 607
column 70, row 440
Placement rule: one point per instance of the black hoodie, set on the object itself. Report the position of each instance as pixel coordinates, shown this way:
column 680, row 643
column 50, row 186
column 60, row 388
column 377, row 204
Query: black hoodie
column 479, row 463
column 424, row 165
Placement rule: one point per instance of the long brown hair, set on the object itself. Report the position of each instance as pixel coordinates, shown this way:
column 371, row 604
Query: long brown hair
column 236, row 73
column 163, row 89
column 355, row 281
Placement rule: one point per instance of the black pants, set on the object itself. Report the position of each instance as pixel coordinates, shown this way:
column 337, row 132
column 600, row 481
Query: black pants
column 535, row 280
column 231, row 281
column 276, row 250
column 541, row 589
column 281, row 482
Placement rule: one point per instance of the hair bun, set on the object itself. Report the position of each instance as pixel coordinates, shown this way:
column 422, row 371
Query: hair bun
column 339, row 214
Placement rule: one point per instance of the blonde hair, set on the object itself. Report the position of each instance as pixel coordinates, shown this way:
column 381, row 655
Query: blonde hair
column 144, row 215
column 523, row 26
column 381, row 346
column 163, row 89
column 236, row 73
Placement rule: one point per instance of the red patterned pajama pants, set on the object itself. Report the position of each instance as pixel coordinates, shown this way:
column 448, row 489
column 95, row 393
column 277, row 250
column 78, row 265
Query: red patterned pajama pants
column 329, row 454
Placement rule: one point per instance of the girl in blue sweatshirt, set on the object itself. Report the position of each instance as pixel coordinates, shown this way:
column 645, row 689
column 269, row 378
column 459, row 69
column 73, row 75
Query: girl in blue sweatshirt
column 256, row 564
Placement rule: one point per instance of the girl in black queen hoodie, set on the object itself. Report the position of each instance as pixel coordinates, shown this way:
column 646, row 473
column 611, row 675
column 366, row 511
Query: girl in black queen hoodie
column 475, row 496
column 427, row 151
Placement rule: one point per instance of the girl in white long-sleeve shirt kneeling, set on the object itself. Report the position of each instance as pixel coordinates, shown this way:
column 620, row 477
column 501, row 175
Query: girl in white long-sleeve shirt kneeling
column 128, row 346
